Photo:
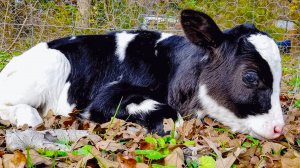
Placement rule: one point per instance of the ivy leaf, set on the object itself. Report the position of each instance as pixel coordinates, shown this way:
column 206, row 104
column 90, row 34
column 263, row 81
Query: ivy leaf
column 189, row 143
column 246, row 145
column 161, row 143
column 207, row 162
column 52, row 153
column 173, row 141
column 138, row 159
column 192, row 164
column 85, row 150
column 297, row 103
column 160, row 166
column 151, row 140
column 298, row 142
column 151, row 154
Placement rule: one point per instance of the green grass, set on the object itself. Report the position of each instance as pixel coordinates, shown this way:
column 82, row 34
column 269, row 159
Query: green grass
column 6, row 56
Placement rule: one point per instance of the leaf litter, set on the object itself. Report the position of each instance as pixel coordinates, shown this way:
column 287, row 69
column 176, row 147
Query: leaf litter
column 68, row 142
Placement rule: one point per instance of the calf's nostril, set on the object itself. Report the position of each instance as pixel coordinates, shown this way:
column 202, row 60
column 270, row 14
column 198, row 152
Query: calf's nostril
column 277, row 130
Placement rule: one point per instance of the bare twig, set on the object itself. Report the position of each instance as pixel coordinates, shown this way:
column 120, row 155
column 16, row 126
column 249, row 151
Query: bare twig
column 4, row 25
column 15, row 40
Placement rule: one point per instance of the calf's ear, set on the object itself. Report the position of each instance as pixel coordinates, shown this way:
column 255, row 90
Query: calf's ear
column 200, row 29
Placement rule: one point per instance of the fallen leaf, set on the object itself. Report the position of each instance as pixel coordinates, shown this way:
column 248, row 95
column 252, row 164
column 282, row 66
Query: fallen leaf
column 207, row 162
column 267, row 147
column 213, row 146
column 41, row 139
column 175, row 158
column 230, row 159
column 168, row 124
column 146, row 145
column 141, row 165
column 126, row 162
column 287, row 162
column 16, row 160
column 37, row 159
column 110, row 145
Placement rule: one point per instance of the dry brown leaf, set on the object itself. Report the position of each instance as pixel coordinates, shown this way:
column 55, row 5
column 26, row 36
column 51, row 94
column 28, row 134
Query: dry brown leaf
column 1, row 163
column 37, row 159
column 189, row 128
column 141, row 165
column 175, row 158
column 221, row 139
column 110, row 145
column 254, row 160
column 16, row 160
column 168, row 124
column 5, row 123
column 41, row 139
column 7, row 160
column 126, row 162
column 146, row 145
column 230, row 159
column 267, row 147
column 290, row 163
column 213, row 146
column 103, row 162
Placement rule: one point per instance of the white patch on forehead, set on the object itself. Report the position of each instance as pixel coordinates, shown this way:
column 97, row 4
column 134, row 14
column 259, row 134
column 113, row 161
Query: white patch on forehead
column 260, row 126
column 122, row 41
column 144, row 107
column 269, row 51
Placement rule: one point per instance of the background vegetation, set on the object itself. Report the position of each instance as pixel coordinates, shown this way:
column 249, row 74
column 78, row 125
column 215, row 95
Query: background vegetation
column 24, row 23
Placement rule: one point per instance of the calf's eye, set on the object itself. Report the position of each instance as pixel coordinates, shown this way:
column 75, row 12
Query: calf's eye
column 251, row 78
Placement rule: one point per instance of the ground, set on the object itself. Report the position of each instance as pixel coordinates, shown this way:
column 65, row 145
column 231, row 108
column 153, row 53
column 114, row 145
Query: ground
column 198, row 143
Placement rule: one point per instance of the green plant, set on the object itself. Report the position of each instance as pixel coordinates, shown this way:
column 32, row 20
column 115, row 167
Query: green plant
column 160, row 166
column 192, row 164
column 160, row 150
column 207, row 162
column 28, row 159
column 297, row 103
column 251, row 142
column 52, row 153
column 113, row 118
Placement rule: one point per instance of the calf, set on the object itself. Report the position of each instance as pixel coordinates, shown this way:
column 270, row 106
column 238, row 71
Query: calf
column 232, row 76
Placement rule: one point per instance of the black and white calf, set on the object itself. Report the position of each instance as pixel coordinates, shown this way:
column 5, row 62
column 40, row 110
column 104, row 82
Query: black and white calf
column 232, row 76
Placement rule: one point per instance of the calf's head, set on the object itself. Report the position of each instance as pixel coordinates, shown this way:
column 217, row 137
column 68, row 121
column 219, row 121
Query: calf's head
column 239, row 84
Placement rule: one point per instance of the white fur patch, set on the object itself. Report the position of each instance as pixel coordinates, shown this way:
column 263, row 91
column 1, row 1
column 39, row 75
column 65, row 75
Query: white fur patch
column 163, row 36
column 86, row 114
column 73, row 38
column 179, row 121
column 35, row 78
column 20, row 114
column 269, row 51
column 260, row 126
column 63, row 106
column 122, row 41
column 144, row 107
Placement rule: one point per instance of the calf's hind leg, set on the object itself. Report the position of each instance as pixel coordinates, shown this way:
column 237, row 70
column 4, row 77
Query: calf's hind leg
column 30, row 81
column 138, row 105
